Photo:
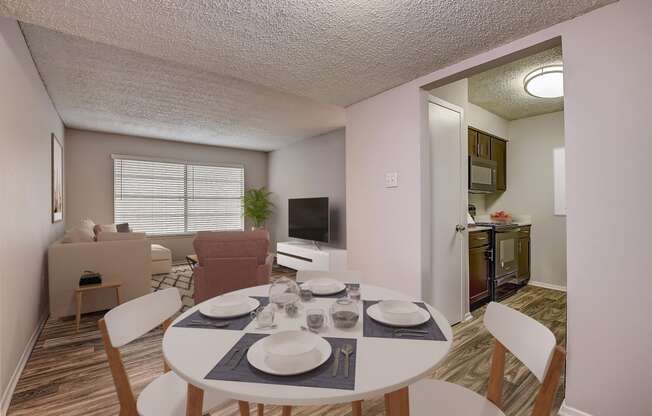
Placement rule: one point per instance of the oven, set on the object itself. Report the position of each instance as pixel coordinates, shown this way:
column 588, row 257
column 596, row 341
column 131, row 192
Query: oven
column 505, row 278
column 482, row 175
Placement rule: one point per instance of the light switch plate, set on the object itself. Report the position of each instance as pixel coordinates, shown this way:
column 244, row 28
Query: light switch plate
column 391, row 180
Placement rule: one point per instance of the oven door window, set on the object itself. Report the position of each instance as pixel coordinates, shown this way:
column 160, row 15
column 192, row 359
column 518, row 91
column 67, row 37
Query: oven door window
column 507, row 254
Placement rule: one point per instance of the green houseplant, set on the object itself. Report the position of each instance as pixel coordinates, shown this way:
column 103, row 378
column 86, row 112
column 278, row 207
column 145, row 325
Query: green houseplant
column 257, row 206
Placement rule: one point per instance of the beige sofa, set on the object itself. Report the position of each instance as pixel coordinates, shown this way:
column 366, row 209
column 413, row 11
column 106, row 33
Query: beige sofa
column 129, row 261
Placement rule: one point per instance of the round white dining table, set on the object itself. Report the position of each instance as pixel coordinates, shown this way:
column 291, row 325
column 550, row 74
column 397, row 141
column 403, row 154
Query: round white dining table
column 384, row 366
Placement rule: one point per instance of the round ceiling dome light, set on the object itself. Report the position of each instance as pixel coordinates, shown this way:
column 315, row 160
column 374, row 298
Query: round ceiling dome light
column 545, row 82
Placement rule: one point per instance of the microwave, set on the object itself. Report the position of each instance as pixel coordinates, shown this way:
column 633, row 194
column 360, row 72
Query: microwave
column 482, row 175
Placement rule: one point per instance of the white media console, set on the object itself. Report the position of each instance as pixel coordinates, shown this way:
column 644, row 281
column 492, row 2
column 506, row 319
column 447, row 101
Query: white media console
column 299, row 255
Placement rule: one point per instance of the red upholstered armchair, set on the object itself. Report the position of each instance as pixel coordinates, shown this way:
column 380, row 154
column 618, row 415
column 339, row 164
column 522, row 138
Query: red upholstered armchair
column 230, row 260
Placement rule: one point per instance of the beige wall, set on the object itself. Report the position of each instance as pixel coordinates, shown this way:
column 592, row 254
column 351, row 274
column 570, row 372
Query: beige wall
column 89, row 176
column 530, row 191
column 607, row 113
column 27, row 118
column 313, row 167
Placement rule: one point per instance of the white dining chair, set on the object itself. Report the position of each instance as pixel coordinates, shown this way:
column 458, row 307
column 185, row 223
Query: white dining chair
column 345, row 276
column 528, row 340
column 166, row 395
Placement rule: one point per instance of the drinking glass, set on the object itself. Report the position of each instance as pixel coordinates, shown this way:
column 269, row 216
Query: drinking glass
column 264, row 316
column 353, row 291
column 315, row 319
column 344, row 313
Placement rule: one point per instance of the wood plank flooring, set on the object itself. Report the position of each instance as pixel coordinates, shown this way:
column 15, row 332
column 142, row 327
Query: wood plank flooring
column 67, row 373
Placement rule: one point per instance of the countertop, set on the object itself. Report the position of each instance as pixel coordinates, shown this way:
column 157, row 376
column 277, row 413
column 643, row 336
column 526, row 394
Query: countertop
column 474, row 228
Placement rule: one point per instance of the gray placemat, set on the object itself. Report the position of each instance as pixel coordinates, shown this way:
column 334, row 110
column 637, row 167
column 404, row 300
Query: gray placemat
column 319, row 377
column 197, row 320
column 375, row 329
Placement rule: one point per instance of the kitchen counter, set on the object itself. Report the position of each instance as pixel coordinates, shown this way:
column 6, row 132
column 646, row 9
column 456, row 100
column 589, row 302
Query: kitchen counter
column 475, row 228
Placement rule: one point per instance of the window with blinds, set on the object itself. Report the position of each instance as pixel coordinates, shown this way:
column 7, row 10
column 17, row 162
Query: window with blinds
column 160, row 197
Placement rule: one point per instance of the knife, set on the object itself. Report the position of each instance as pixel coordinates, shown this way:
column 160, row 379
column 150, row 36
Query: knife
column 336, row 363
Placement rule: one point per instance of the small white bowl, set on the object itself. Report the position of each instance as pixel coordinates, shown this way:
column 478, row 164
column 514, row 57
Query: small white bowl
column 291, row 351
column 399, row 311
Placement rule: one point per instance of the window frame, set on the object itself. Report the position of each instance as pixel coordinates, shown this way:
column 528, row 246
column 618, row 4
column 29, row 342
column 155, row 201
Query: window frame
column 186, row 163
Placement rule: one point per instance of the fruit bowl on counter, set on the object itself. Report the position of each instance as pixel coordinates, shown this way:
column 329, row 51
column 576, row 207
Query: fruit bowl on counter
column 502, row 217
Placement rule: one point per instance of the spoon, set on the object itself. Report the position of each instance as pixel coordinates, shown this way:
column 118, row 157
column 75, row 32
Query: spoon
column 347, row 349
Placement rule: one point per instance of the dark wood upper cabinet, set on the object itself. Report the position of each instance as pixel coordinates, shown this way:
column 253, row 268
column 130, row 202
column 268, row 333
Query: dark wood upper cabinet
column 484, row 146
column 499, row 155
column 473, row 142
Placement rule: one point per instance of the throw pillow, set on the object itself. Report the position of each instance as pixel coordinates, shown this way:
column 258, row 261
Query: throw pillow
column 83, row 233
column 101, row 228
column 123, row 228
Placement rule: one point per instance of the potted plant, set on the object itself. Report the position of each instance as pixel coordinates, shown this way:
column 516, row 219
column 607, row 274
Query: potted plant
column 257, row 206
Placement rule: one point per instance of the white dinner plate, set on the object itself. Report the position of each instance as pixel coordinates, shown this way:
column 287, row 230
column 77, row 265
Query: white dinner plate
column 374, row 312
column 307, row 358
column 324, row 286
column 224, row 308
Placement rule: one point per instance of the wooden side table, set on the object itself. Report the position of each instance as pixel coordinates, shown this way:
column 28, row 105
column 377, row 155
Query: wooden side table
column 104, row 285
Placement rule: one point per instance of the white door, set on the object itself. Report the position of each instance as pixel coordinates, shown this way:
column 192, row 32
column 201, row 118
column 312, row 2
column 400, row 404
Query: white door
column 447, row 153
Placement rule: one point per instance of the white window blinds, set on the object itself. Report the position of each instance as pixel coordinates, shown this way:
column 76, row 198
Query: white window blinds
column 159, row 197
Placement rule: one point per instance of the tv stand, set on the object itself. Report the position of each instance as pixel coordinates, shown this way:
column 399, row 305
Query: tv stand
column 299, row 255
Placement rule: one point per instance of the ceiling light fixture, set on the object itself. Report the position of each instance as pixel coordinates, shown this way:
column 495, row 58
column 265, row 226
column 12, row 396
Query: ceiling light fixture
column 545, row 82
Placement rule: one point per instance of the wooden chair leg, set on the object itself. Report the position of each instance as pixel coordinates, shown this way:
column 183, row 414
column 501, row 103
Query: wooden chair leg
column 397, row 403
column 261, row 409
column 195, row 401
column 287, row 411
column 244, row 408
column 356, row 408
column 497, row 374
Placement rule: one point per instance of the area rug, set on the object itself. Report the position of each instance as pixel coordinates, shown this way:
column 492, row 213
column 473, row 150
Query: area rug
column 181, row 278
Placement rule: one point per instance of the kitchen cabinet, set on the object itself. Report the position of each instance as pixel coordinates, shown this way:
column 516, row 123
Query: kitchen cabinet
column 499, row 155
column 479, row 144
column 479, row 268
column 524, row 252
column 487, row 146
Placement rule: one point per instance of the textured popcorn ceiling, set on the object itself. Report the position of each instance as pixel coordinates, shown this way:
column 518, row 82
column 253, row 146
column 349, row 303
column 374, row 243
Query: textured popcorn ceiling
column 105, row 88
column 336, row 51
column 231, row 72
column 500, row 90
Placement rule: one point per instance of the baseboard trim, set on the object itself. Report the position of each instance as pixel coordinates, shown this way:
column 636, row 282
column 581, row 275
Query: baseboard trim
column 13, row 381
column 547, row 285
column 566, row 410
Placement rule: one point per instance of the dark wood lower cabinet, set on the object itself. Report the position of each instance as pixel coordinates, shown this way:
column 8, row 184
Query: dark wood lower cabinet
column 479, row 273
column 523, row 258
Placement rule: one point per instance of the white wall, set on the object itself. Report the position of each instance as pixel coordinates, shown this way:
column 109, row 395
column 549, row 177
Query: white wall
column 530, row 190
column 313, row 167
column 27, row 119
column 607, row 65
column 487, row 121
column 89, row 178
column 607, row 109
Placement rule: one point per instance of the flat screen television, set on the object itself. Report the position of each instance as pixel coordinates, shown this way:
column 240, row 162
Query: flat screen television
column 308, row 219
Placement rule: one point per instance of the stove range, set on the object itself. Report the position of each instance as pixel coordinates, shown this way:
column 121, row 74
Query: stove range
column 498, row 226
